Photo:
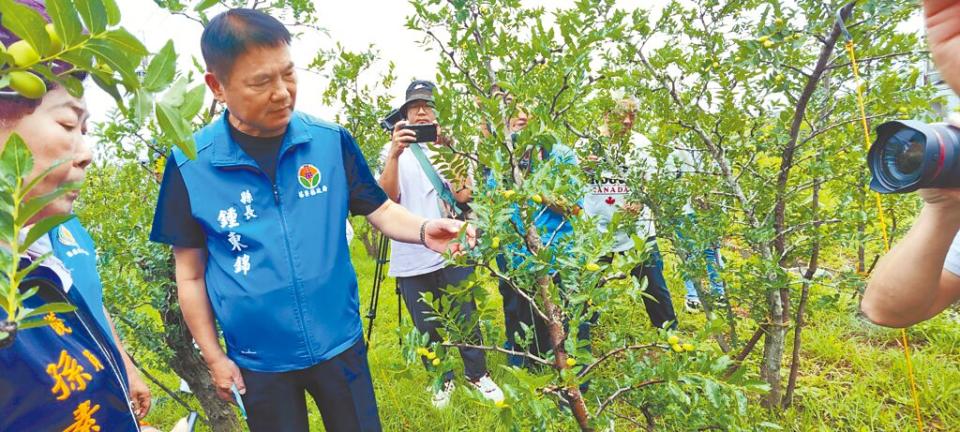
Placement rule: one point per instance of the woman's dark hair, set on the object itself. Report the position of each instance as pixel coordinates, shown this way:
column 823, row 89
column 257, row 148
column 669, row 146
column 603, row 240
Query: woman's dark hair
column 234, row 32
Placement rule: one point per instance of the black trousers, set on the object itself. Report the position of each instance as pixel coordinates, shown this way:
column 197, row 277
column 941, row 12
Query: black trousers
column 341, row 387
column 518, row 312
column 660, row 307
column 412, row 287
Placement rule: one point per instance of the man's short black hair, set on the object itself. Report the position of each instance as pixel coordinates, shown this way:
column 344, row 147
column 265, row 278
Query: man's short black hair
column 234, row 32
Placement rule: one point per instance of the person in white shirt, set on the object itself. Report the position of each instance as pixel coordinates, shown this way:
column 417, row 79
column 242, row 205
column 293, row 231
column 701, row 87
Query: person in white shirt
column 609, row 193
column 409, row 178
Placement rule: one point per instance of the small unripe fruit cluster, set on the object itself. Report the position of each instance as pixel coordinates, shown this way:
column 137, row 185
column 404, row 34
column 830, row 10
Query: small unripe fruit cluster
column 430, row 355
column 25, row 83
column 676, row 346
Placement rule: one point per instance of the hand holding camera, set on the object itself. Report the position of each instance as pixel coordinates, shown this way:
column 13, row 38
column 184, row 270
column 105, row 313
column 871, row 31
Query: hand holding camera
column 910, row 155
column 405, row 134
column 401, row 139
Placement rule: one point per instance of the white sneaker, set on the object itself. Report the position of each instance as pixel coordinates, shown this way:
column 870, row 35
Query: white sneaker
column 489, row 389
column 442, row 397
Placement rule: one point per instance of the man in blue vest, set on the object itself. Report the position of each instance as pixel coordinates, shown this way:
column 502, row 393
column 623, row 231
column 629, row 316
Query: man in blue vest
column 257, row 222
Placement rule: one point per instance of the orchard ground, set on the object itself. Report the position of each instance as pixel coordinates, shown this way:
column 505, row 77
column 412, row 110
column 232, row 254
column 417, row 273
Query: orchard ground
column 852, row 378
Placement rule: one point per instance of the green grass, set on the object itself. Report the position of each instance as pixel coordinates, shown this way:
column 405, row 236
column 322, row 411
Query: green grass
column 852, row 377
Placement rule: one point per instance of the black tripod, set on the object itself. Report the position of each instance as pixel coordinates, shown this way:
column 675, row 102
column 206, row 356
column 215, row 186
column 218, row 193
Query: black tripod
column 378, row 276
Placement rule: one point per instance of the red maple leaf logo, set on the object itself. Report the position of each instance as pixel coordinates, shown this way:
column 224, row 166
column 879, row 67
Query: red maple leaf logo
column 610, row 200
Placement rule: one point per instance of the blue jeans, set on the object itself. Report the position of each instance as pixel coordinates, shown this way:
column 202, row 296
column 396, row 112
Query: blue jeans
column 711, row 257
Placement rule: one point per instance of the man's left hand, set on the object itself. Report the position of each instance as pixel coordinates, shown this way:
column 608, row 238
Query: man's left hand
column 139, row 394
column 439, row 235
column 632, row 208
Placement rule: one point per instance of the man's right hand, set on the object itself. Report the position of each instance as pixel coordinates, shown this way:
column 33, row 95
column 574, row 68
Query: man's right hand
column 943, row 33
column 401, row 139
column 225, row 374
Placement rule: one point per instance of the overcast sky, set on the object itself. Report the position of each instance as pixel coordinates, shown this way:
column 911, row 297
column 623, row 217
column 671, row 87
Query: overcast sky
column 356, row 24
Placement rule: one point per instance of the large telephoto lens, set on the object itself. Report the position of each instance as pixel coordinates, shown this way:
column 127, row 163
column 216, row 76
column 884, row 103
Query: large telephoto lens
column 910, row 155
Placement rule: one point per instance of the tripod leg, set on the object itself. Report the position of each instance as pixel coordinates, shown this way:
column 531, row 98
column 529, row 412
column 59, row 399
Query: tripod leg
column 399, row 314
column 377, row 282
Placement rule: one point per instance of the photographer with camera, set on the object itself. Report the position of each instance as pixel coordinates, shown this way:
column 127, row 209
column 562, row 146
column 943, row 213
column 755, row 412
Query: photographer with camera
column 410, row 179
column 920, row 276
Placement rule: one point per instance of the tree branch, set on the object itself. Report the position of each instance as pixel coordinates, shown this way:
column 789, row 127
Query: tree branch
column 498, row 349
column 586, row 370
column 623, row 390
column 519, row 291
column 452, row 56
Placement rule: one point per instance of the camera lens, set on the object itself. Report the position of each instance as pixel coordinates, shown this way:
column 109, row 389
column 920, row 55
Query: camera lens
column 903, row 155
column 909, row 155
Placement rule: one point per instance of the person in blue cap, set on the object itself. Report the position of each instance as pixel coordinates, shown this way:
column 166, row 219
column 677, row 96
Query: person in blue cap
column 257, row 224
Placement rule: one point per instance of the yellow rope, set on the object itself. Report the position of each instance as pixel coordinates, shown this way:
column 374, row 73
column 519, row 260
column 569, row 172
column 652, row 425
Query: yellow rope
column 883, row 226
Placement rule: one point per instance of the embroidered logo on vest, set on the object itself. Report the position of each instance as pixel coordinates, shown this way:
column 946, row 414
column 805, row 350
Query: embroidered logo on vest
column 309, row 178
column 67, row 239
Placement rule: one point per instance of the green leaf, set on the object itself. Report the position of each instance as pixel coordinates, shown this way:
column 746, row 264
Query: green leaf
column 142, row 106
column 94, row 15
column 16, row 159
column 119, row 61
column 174, row 96
column 34, row 205
column 44, row 226
column 6, row 227
column 39, row 177
column 73, row 85
column 22, row 273
column 66, row 21
column 193, row 102
column 162, row 68
column 51, row 307
column 205, row 4
column 174, row 126
column 81, row 58
column 32, row 323
column 29, row 293
column 26, row 23
column 109, row 85
column 127, row 42
column 113, row 12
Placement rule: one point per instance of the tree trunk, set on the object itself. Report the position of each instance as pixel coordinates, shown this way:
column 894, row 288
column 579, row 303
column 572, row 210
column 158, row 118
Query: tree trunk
column 805, row 292
column 773, row 347
column 189, row 365
column 368, row 237
column 557, row 336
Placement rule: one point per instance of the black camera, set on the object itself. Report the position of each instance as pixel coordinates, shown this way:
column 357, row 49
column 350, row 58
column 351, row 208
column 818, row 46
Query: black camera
column 390, row 120
column 910, row 155
column 425, row 132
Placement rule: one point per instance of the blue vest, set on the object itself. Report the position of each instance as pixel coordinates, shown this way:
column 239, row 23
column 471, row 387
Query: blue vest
column 278, row 271
column 62, row 375
column 74, row 247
